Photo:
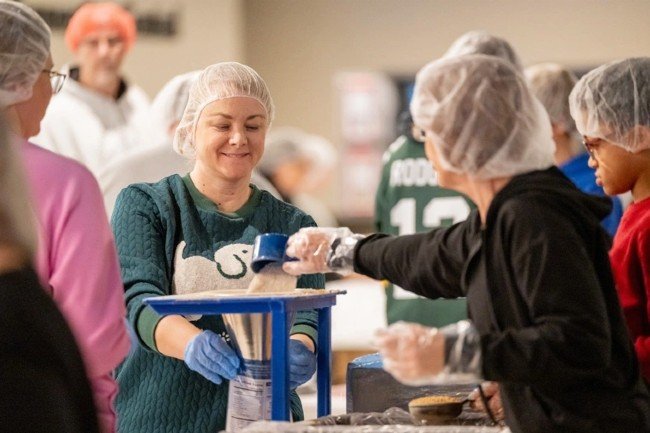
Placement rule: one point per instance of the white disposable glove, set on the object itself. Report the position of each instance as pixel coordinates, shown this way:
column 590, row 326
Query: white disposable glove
column 418, row 355
column 411, row 353
column 319, row 250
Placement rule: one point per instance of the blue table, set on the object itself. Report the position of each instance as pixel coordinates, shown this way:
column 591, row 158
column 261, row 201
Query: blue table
column 280, row 306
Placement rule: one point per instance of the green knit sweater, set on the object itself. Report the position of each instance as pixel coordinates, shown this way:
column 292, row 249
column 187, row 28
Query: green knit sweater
column 171, row 239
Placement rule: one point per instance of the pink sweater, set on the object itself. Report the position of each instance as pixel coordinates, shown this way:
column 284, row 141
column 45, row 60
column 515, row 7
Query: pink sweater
column 77, row 262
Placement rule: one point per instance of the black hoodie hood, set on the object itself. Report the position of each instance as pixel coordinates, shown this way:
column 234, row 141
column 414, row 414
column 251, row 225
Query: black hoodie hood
column 555, row 190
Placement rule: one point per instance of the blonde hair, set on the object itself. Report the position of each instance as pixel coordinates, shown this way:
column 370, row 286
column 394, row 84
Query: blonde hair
column 17, row 218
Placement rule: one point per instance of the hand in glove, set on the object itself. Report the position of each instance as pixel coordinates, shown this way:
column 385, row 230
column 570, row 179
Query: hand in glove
column 210, row 356
column 321, row 250
column 302, row 363
column 412, row 353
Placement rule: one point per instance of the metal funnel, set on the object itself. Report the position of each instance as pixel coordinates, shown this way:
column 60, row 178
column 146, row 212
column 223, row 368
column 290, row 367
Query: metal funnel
column 251, row 334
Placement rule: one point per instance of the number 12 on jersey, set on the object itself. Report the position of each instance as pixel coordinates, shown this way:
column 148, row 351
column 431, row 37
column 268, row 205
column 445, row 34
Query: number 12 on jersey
column 439, row 211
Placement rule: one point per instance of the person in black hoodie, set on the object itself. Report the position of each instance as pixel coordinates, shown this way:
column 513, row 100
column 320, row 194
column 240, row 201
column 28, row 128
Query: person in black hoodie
column 532, row 261
column 42, row 376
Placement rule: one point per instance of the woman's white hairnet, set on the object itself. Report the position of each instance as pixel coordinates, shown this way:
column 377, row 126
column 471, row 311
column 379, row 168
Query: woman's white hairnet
column 219, row 81
column 552, row 84
column 480, row 42
column 483, row 119
column 24, row 48
column 612, row 100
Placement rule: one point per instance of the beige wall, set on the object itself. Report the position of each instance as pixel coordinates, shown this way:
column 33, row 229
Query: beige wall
column 298, row 45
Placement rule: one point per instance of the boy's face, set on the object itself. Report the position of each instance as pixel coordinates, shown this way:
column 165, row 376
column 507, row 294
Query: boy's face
column 616, row 169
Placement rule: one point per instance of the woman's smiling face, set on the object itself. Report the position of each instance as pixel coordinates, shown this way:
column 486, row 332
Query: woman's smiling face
column 229, row 138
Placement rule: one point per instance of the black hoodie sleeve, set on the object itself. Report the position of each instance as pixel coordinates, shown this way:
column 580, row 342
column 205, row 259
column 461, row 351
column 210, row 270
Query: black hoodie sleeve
column 548, row 271
column 428, row 264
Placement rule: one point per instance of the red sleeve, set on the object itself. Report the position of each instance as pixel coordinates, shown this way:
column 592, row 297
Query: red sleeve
column 642, row 339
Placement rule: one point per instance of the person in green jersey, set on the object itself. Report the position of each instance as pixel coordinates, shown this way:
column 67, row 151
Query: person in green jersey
column 193, row 233
column 409, row 200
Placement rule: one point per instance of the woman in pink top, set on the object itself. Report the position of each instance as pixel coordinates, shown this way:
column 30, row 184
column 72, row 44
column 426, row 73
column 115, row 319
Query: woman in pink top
column 76, row 258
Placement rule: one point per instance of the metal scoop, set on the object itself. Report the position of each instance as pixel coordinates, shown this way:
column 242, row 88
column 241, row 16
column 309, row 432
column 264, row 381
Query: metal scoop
column 436, row 409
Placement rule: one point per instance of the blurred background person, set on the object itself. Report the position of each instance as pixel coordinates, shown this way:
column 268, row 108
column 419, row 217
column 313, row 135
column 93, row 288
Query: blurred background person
column 97, row 115
column 76, row 258
column 297, row 164
column 551, row 84
column 156, row 157
column 611, row 107
column 409, row 200
column 44, row 385
column 191, row 233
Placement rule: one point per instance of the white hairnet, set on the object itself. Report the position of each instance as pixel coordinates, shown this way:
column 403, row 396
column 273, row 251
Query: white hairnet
column 483, row 119
column 24, row 48
column 480, row 42
column 552, row 84
column 288, row 144
column 610, row 101
column 169, row 104
column 219, row 81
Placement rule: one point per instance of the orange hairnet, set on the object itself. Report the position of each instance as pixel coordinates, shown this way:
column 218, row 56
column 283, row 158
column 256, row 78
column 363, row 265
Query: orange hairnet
column 91, row 17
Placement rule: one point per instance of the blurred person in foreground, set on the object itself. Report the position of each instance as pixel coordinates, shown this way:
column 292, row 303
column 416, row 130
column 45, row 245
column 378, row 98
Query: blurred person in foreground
column 551, row 84
column 44, row 386
column 193, row 233
column 611, row 108
column 76, row 258
column 156, row 158
column 532, row 260
column 98, row 115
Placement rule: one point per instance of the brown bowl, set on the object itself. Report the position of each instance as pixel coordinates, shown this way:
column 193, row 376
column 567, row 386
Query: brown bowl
column 436, row 409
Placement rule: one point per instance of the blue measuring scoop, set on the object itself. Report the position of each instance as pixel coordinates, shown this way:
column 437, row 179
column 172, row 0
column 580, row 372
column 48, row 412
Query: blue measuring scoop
column 269, row 248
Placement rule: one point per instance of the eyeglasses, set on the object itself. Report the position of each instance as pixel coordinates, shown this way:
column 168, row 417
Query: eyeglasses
column 56, row 78
column 591, row 146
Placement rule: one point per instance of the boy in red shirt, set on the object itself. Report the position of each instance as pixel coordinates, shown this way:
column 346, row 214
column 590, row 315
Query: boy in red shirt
column 611, row 107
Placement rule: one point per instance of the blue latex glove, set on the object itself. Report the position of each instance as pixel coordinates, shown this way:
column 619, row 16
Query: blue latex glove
column 210, row 356
column 302, row 364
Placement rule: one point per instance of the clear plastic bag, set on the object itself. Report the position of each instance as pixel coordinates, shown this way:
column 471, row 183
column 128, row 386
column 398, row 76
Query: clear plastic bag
column 393, row 420
column 286, row 427
column 392, row 416
column 417, row 355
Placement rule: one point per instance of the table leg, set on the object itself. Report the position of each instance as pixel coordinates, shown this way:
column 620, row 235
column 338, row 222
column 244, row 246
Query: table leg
column 323, row 375
column 280, row 367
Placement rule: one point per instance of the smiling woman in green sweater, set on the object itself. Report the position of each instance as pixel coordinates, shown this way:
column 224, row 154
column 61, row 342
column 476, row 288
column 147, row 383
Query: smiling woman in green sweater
column 195, row 233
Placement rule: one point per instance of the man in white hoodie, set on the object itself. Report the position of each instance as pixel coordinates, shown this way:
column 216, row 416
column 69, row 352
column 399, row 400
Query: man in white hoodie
column 97, row 114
